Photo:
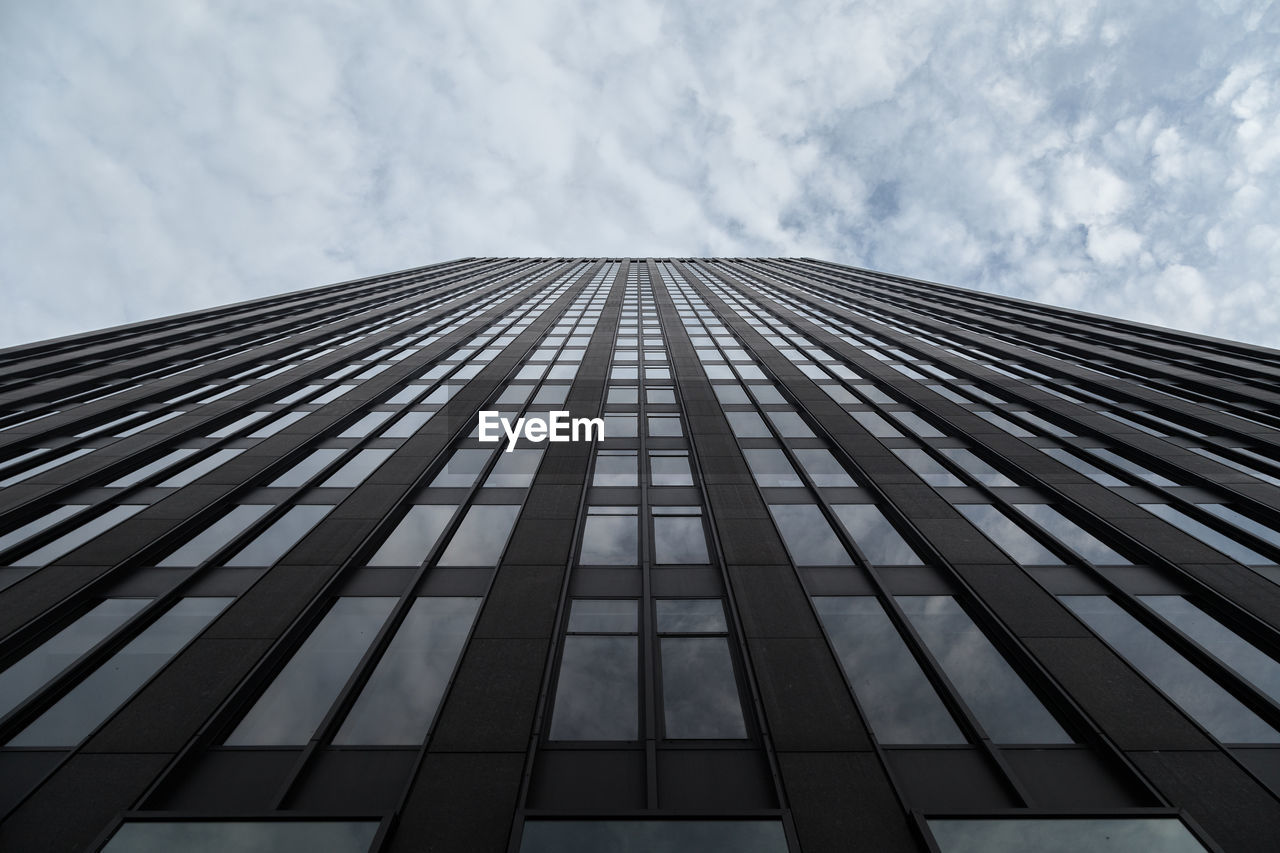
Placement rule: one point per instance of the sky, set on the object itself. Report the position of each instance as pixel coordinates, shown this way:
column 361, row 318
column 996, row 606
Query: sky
column 159, row 156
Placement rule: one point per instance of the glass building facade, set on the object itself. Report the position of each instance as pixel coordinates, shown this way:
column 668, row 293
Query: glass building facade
column 860, row 562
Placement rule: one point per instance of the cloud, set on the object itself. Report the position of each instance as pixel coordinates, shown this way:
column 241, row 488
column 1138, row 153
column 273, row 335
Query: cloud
column 182, row 155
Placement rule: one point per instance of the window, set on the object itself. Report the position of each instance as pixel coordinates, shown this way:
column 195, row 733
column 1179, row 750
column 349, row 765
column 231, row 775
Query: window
column 747, row 425
column 901, row 705
column 678, row 536
column 1053, row 834
column 699, row 692
column 216, row 536
column 620, row 426
column 44, row 522
column 514, row 470
column 1070, row 534
column 1003, row 704
column 1005, row 532
column 414, row 537
column 610, row 536
column 808, row 535
column 875, row 425
column 770, row 468
column 481, row 537
column 615, row 468
column 669, row 468
column 1199, row 696
column 365, row 425
column 823, row 468
column 316, row 462
column 43, row 663
column 664, row 426
column 875, row 536
column 68, row 542
column 790, row 425
column 1093, row 472
column 462, row 469
column 247, row 836
column 975, row 467
column 354, row 471
column 296, row 702
column 199, row 469
column 597, row 692
column 929, row 469
column 1233, row 650
column 1206, row 534
column 89, row 703
column 285, row 532
column 399, row 702
column 657, row 836
column 155, row 467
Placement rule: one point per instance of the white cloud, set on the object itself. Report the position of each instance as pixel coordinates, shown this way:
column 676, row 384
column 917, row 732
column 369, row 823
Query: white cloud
column 196, row 153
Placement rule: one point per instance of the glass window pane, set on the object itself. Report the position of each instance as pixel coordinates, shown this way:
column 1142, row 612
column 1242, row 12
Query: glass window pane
column 360, row 466
column 823, row 468
column 315, row 836
column 482, row 536
column 365, row 425
column 43, row 663
column 808, row 536
column 875, row 425
column 155, row 467
column 690, row 616
column 1071, row 534
column 44, row 522
column 1220, row 641
column 299, row 697
column 610, row 539
column 929, row 469
column 1244, row 522
column 1206, row 534
column 399, row 702
column 407, row 425
column 679, row 539
column 604, row 616
column 1005, row 532
column 664, row 426
column 747, row 425
column 669, row 470
column 1060, row 835
column 875, row 536
column 514, row 470
column 975, row 467
column 462, row 469
column 306, row 469
column 790, row 424
column 199, row 469
column 285, row 532
column 655, row 836
column 216, row 536
column 730, row 395
column 597, row 692
column 85, row 706
column 615, row 469
column 699, row 691
column 414, row 536
column 998, row 697
column 893, row 691
column 72, row 539
column 620, row 426
column 1093, row 472
column 770, row 468
column 1197, row 694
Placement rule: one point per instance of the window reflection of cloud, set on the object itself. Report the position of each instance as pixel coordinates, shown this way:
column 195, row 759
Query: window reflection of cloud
column 610, row 540
column 399, row 702
column 808, row 536
column 699, row 693
column 654, row 836
column 329, row 836
column 596, row 695
column 1098, row 835
column 1001, row 701
column 875, row 536
column 892, row 689
column 679, row 539
column 480, row 538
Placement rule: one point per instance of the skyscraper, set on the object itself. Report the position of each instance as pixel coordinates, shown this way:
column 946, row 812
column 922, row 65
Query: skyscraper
column 860, row 563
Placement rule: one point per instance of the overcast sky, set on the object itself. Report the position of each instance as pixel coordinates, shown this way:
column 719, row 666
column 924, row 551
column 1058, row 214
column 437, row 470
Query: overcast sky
column 157, row 157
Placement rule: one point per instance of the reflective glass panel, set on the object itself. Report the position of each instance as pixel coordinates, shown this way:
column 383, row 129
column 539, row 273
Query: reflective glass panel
column 669, row 469
column 312, row 836
column 43, row 663
column 81, row 710
column 770, row 468
column 316, row 462
column 603, row 616
column 808, row 536
column 285, row 532
column 515, row 469
column 1209, row 536
column 299, row 698
column 1202, row 698
column 893, row 691
column 72, row 539
column 699, row 691
column 399, row 702
column 1071, row 534
column 998, row 697
column 216, row 536
column 678, row 539
column 654, row 836
column 1063, row 835
column 1005, row 532
column 462, row 469
column 929, row 469
column 597, row 693
column 414, row 536
column 482, row 536
column 610, row 538
column 354, row 471
column 747, row 425
column 615, row 468
column 823, row 468
column 875, row 536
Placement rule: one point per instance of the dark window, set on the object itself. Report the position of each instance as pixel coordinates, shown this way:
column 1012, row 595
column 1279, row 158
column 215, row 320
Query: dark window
column 610, row 536
column 597, row 692
column 655, row 836
column 414, row 537
column 247, row 836
column 678, row 536
column 1051, row 835
column 615, row 468
column 272, row 543
column 808, row 535
column 481, row 537
column 875, row 536
column 699, row 692
column 669, row 468
column 216, row 536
